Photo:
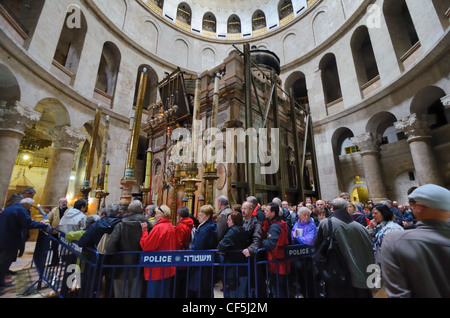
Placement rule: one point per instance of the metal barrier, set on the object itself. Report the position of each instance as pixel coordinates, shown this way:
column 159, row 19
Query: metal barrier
column 292, row 276
column 64, row 266
column 74, row 272
column 172, row 274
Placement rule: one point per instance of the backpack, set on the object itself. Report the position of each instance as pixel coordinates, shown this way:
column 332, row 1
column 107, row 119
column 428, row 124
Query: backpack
column 330, row 264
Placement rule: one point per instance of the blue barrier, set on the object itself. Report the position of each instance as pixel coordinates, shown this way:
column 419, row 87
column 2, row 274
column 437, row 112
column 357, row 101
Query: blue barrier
column 83, row 273
column 64, row 266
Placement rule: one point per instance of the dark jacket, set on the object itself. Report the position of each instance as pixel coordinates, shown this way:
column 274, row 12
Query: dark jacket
column 236, row 238
column 259, row 213
column 205, row 237
column 254, row 229
column 355, row 245
column 94, row 233
column 126, row 236
column 13, row 220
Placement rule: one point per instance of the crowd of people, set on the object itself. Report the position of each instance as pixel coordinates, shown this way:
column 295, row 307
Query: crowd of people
column 400, row 239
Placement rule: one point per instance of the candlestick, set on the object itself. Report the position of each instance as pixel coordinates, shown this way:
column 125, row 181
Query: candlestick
column 105, row 183
column 195, row 115
column 147, row 169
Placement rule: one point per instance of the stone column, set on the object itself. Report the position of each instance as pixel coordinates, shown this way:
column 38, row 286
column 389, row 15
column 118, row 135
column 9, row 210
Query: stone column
column 419, row 139
column 65, row 141
column 14, row 119
column 369, row 150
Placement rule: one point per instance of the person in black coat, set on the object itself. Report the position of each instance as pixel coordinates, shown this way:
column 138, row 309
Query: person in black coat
column 200, row 283
column 13, row 221
column 105, row 225
column 235, row 240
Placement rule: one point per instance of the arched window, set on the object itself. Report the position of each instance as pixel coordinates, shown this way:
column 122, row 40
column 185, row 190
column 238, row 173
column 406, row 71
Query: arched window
column 330, row 78
column 427, row 104
column 25, row 13
column 108, row 69
column 209, row 22
column 158, row 3
column 184, row 13
column 401, row 28
column 363, row 56
column 258, row 20
column 151, row 88
column 284, row 9
column 234, row 24
column 70, row 43
column 297, row 82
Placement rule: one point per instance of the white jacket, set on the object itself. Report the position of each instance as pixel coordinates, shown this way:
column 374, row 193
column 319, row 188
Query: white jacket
column 73, row 220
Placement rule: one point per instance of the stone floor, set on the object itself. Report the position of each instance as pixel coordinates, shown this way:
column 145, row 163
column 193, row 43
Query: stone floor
column 25, row 276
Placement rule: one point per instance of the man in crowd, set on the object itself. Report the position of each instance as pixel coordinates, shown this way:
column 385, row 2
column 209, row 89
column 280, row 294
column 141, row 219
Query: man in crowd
column 355, row 245
column 13, row 220
column 415, row 263
column 224, row 208
column 274, row 238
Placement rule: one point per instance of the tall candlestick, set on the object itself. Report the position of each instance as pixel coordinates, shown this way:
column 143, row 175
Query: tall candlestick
column 215, row 109
column 195, row 116
column 131, row 162
column 147, row 169
column 87, row 175
column 105, row 183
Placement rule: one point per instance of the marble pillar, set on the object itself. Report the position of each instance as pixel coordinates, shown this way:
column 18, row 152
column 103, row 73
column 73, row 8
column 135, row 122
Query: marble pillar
column 370, row 153
column 419, row 140
column 65, row 142
column 14, row 119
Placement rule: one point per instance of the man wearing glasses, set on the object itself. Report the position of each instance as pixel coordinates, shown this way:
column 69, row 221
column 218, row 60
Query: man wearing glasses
column 415, row 263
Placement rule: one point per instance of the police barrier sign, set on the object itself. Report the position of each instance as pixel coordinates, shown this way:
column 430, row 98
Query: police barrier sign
column 302, row 250
column 177, row 258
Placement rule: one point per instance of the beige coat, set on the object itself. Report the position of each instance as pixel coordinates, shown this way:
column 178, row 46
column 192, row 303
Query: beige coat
column 54, row 218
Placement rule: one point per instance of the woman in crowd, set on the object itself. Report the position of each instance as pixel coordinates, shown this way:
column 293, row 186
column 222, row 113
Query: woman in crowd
column 381, row 224
column 205, row 238
column 161, row 238
column 304, row 230
column 236, row 238
column 355, row 214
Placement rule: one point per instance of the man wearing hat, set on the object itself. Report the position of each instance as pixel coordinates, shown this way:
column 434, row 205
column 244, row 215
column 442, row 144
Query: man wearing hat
column 415, row 263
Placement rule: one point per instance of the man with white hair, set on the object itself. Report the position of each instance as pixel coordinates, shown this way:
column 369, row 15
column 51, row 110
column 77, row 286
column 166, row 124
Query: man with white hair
column 13, row 220
column 415, row 263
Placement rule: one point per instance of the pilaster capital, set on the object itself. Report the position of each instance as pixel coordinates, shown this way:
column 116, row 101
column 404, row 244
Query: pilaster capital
column 367, row 143
column 16, row 116
column 413, row 127
column 66, row 137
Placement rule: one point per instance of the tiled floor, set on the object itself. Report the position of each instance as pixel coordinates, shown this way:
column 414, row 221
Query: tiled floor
column 25, row 276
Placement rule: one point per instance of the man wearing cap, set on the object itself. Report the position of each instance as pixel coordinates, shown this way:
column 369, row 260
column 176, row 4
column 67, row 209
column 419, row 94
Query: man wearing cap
column 415, row 263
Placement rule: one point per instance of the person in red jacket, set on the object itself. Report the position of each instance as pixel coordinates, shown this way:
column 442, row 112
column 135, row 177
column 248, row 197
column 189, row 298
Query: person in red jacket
column 275, row 237
column 183, row 228
column 161, row 238
column 183, row 240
